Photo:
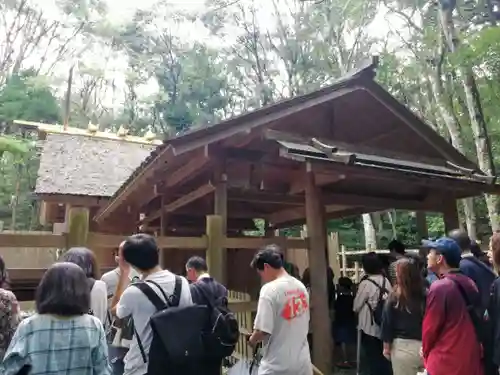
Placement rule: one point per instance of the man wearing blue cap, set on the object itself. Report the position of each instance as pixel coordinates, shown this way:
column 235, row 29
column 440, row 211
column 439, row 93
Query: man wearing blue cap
column 449, row 342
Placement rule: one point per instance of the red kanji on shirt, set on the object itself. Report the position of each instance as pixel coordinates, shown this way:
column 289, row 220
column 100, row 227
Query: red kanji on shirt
column 296, row 304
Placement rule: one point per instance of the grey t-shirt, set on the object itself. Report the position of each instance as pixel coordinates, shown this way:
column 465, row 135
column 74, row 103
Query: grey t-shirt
column 283, row 313
column 134, row 302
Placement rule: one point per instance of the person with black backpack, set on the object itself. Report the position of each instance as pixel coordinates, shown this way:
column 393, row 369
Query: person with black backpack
column 369, row 302
column 222, row 331
column 159, row 294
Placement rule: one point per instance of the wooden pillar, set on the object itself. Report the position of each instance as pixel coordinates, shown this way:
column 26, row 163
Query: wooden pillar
column 77, row 226
column 421, row 219
column 163, row 228
column 320, row 317
column 333, row 255
column 220, row 209
column 215, row 252
column 450, row 216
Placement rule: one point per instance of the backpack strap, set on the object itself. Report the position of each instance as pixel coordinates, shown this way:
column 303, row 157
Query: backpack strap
column 152, row 296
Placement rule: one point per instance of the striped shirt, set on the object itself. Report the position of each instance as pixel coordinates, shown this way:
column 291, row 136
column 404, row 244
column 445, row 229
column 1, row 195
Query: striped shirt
column 53, row 345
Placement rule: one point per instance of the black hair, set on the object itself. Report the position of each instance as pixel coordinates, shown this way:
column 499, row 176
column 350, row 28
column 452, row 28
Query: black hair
column 345, row 282
column 271, row 255
column 461, row 238
column 397, row 247
column 85, row 258
column 140, row 251
column 63, row 291
column 197, row 263
column 371, row 263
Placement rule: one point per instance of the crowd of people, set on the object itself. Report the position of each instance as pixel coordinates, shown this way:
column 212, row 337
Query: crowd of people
column 141, row 319
column 438, row 312
column 434, row 313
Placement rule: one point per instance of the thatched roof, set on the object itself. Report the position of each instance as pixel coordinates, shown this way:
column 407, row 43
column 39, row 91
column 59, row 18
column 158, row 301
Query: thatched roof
column 86, row 165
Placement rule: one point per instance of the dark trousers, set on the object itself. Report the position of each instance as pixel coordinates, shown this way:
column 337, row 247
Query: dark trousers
column 374, row 361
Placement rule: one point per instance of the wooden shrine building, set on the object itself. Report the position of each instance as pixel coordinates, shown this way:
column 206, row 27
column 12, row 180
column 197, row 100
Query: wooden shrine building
column 346, row 149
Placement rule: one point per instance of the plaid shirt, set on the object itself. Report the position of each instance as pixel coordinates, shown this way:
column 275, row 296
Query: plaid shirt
column 51, row 345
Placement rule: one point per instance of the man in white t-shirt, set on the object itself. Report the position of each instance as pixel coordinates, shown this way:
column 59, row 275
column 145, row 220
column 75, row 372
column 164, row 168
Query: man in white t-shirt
column 141, row 252
column 282, row 320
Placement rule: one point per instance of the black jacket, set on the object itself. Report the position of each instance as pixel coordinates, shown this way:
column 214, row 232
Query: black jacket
column 211, row 287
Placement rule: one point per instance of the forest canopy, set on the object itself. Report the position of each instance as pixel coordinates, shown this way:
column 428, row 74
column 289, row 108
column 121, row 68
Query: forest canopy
column 169, row 69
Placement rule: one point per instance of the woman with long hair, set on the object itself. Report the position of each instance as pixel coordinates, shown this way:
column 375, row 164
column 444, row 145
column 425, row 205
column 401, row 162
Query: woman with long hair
column 9, row 311
column 85, row 258
column 61, row 338
column 402, row 319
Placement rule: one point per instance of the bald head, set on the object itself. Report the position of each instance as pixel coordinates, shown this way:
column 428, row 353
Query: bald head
column 461, row 238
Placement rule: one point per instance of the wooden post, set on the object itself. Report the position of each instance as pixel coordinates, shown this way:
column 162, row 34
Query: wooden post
column 344, row 261
column 450, row 216
column 163, row 229
column 215, row 256
column 220, row 209
column 333, row 255
column 422, row 232
column 77, row 226
column 320, row 316
column 356, row 272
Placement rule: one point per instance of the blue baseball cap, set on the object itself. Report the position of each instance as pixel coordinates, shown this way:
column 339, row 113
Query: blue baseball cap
column 447, row 247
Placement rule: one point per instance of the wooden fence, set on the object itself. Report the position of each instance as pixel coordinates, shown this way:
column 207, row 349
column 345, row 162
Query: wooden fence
column 352, row 268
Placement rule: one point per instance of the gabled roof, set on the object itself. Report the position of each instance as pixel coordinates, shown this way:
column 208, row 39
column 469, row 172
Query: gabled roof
column 355, row 110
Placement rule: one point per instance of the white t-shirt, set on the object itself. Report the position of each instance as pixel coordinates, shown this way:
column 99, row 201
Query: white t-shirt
column 283, row 313
column 134, row 302
column 111, row 279
column 99, row 301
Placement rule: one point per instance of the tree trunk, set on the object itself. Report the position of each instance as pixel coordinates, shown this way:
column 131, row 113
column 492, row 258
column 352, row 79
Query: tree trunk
column 457, row 142
column 370, row 233
column 477, row 120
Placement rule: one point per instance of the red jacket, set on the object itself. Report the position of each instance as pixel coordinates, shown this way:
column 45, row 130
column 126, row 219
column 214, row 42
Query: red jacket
column 449, row 342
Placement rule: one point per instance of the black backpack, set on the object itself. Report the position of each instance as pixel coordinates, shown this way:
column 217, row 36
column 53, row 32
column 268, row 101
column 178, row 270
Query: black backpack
column 222, row 332
column 378, row 311
column 177, row 331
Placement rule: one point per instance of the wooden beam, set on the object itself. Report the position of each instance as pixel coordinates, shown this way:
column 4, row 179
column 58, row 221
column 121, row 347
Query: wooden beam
column 338, row 202
column 190, row 169
column 74, row 200
column 113, row 241
column 181, row 202
column 264, row 197
column 190, row 197
column 299, row 186
column 320, row 318
column 13, row 241
column 291, row 214
column 277, row 135
column 252, row 243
